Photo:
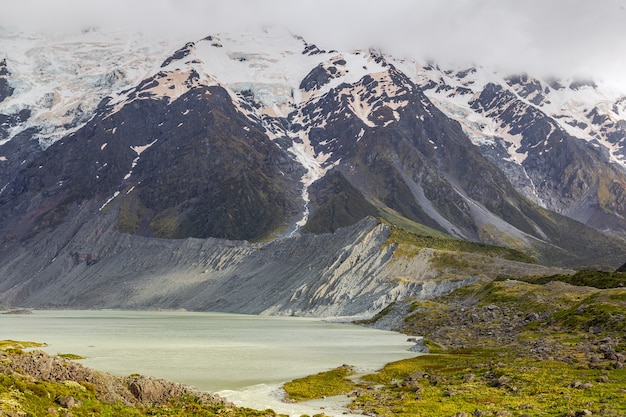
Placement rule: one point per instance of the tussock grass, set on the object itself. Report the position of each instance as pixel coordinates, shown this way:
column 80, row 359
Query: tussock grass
column 18, row 345
column 391, row 217
column 417, row 241
column 323, row 384
column 492, row 381
column 586, row 278
column 71, row 356
column 548, row 350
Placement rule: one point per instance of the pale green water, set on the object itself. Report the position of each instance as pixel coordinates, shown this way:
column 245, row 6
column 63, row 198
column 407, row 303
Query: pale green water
column 212, row 351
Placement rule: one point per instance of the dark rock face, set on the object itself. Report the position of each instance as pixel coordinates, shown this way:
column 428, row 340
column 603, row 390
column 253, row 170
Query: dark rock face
column 621, row 268
column 179, row 54
column 527, row 87
column 318, row 77
column 417, row 162
column 557, row 152
column 66, row 401
column 336, row 203
column 168, row 162
column 311, row 49
column 220, row 154
column 7, row 121
column 420, row 346
column 150, row 390
column 5, row 89
column 201, row 165
column 322, row 75
column 580, row 83
column 568, row 175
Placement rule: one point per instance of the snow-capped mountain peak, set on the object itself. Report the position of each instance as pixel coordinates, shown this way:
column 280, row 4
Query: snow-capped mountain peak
column 262, row 119
column 61, row 79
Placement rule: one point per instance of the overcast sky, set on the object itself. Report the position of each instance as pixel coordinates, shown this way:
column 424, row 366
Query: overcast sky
column 559, row 37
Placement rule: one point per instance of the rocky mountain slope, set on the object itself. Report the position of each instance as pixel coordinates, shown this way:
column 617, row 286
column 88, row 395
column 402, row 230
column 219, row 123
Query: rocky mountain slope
column 560, row 142
column 108, row 161
column 352, row 272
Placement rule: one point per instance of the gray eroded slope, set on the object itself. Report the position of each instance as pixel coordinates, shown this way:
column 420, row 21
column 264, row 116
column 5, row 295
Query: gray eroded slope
column 92, row 265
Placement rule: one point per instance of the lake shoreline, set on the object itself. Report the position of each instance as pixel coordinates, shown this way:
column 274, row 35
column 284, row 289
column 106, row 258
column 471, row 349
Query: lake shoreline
column 319, row 343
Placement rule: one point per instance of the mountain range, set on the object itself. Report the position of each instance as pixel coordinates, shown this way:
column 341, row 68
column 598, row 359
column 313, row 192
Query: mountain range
column 265, row 142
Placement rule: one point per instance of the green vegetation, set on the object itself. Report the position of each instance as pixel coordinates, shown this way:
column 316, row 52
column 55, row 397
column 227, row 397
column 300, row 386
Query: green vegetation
column 489, row 234
column 494, row 382
column 545, row 350
column 24, row 397
column 498, row 348
column 417, row 241
column 71, row 356
column 130, row 214
column 21, row 396
column 601, row 312
column 433, row 347
column 597, row 279
column 13, row 345
column 524, row 297
column 391, row 217
column 165, row 224
column 537, row 355
column 454, row 260
column 324, row 384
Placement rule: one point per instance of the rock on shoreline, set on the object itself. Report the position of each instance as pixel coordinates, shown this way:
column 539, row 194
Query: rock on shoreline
column 17, row 311
column 131, row 390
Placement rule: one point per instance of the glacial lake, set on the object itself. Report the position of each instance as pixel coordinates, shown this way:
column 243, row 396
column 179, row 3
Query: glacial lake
column 244, row 358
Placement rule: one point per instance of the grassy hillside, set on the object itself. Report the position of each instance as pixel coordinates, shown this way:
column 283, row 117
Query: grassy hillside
column 597, row 279
column 511, row 348
column 507, row 348
column 410, row 242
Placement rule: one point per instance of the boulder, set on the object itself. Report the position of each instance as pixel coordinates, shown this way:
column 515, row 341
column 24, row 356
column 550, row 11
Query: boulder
column 66, row 401
column 149, row 390
column 419, row 346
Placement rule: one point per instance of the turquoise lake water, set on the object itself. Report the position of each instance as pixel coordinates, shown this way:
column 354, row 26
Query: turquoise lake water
column 212, row 351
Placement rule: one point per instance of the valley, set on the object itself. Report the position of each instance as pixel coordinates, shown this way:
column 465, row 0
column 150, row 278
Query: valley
column 496, row 348
column 254, row 172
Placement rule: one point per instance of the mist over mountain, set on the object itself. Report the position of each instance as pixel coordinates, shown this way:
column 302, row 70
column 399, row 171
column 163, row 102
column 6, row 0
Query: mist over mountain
column 264, row 139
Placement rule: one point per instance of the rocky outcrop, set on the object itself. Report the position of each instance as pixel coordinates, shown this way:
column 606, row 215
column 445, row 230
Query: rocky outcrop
column 136, row 389
column 504, row 313
column 150, row 390
column 5, row 89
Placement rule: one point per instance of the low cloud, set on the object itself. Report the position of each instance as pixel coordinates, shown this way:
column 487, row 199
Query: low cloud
column 557, row 37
